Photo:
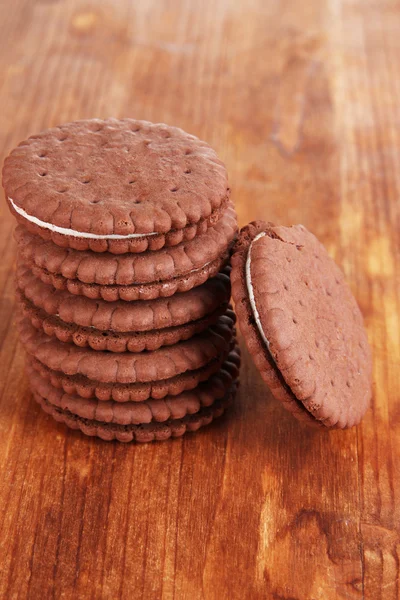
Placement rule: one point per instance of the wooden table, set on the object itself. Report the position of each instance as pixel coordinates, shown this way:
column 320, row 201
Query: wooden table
column 301, row 99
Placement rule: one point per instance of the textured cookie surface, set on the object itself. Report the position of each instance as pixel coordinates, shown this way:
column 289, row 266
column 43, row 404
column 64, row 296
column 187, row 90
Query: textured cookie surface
column 126, row 367
column 126, row 316
column 147, row 432
column 115, row 178
column 138, row 392
column 121, row 326
column 131, row 293
column 302, row 324
column 112, row 341
column 136, row 413
column 127, row 269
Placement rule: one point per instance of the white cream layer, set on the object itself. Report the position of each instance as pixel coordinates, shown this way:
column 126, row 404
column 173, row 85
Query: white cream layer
column 72, row 232
column 250, row 290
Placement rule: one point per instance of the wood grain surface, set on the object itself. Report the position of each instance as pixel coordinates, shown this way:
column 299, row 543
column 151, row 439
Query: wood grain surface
column 302, row 101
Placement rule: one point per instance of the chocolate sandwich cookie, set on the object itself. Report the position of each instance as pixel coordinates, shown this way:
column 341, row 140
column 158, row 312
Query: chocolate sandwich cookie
column 131, row 293
column 121, row 326
column 137, row 413
column 301, row 324
column 115, row 185
column 133, row 276
column 126, row 367
column 147, row 432
column 138, row 392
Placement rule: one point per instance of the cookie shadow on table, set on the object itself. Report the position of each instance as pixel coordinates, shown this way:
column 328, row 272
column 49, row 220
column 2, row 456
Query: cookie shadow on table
column 259, row 424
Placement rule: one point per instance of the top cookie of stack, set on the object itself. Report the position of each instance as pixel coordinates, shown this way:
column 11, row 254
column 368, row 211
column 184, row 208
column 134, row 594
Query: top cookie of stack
column 120, row 211
column 115, row 185
column 153, row 200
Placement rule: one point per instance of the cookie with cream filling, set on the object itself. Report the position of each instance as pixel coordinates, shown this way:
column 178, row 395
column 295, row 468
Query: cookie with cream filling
column 301, row 324
column 115, row 185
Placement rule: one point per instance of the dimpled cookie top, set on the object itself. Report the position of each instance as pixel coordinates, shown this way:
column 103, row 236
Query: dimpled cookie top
column 114, row 178
column 301, row 323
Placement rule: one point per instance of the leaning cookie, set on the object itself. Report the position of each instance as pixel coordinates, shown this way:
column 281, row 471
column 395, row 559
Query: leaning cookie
column 115, row 185
column 301, row 324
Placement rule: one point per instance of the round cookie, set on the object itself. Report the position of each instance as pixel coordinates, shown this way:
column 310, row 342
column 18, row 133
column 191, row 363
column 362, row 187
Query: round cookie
column 138, row 392
column 301, row 324
column 126, row 367
column 148, row 432
column 131, row 293
column 111, row 341
column 146, row 276
column 115, row 185
column 126, row 269
column 137, row 413
column 121, row 326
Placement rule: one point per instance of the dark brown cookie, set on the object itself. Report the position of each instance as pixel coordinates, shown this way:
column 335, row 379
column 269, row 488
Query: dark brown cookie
column 115, row 185
column 140, row 433
column 126, row 316
column 121, row 326
column 127, row 269
column 131, row 293
column 126, row 367
column 301, row 324
column 114, row 341
column 137, row 392
column 136, row 413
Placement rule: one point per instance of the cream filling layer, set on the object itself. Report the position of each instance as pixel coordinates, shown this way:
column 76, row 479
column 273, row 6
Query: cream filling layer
column 250, row 291
column 72, row 232
column 256, row 314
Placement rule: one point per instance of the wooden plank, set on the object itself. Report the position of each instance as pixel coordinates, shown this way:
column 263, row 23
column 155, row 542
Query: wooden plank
column 301, row 101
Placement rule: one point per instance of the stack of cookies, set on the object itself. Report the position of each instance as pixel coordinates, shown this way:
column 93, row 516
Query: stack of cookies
column 124, row 237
